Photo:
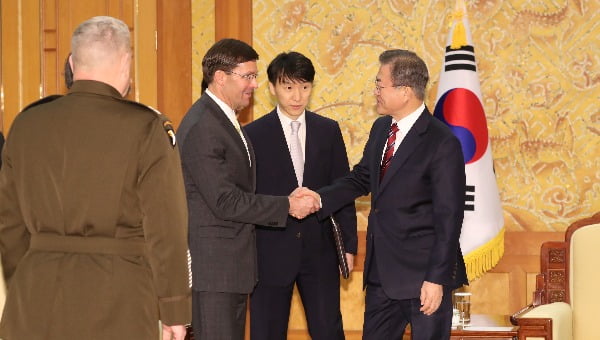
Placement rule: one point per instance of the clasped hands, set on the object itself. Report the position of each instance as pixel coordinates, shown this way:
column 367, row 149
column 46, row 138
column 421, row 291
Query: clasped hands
column 303, row 202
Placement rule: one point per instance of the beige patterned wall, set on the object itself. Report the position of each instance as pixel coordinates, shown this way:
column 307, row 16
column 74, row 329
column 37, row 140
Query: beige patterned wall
column 539, row 66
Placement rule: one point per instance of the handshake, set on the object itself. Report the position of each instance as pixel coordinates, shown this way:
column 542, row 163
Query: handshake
column 303, row 202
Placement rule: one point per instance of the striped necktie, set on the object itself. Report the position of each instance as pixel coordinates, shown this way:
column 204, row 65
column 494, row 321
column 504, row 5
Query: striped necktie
column 389, row 150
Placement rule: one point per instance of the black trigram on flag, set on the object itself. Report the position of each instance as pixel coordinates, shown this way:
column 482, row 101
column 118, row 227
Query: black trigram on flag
column 470, row 198
column 462, row 58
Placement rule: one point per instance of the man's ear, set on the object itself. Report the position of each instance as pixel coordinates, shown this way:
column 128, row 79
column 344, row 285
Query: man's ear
column 71, row 61
column 219, row 77
column 126, row 61
column 272, row 88
column 124, row 77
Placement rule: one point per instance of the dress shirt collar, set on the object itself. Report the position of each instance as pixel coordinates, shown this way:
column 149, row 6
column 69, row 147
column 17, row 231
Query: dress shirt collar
column 407, row 122
column 229, row 112
column 287, row 130
column 286, row 121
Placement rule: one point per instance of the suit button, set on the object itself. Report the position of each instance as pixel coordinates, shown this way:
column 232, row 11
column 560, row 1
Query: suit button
column 298, row 235
column 376, row 210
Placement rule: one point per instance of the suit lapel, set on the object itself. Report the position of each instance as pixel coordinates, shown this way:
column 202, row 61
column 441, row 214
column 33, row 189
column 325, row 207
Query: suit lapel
column 252, row 158
column 311, row 150
column 281, row 152
column 413, row 137
column 231, row 130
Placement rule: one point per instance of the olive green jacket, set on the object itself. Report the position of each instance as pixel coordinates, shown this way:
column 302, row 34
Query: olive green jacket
column 93, row 220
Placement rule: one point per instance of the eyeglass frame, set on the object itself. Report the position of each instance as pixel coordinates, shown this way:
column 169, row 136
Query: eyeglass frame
column 378, row 87
column 247, row 77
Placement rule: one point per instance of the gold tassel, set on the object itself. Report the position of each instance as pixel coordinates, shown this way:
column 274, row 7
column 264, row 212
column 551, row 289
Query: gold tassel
column 485, row 257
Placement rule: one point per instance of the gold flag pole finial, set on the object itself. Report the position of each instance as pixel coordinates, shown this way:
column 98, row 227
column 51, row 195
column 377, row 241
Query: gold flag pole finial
column 459, row 35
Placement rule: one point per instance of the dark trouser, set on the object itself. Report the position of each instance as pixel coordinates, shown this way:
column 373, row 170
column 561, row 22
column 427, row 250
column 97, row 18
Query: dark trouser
column 319, row 288
column 387, row 318
column 218, row 316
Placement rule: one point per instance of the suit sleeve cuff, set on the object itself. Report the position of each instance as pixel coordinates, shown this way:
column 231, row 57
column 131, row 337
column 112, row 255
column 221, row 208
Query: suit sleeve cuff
column 176, row 310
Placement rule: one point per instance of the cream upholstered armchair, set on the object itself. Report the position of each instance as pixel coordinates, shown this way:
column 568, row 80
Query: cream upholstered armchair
column 567, row 297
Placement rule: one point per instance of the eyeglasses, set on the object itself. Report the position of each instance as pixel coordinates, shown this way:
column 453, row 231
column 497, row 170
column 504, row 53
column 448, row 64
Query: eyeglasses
column 248, row 77
column 379, row 87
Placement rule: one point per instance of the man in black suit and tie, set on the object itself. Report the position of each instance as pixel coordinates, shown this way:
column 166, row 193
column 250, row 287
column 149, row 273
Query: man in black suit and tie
column 413, row 168
column 219, row 172
column 295, row 147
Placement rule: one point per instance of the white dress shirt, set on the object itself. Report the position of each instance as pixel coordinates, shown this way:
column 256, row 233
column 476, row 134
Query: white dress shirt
column 404, row 125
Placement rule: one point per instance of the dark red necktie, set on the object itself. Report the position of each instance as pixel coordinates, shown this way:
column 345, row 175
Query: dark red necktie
column 389, row 150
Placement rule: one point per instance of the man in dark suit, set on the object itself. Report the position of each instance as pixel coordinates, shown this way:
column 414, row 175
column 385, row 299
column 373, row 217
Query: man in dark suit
column 413, row 168
column 219, row 174
column 303, row 253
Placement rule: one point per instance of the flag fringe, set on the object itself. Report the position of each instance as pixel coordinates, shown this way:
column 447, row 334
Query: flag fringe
column 485, row 257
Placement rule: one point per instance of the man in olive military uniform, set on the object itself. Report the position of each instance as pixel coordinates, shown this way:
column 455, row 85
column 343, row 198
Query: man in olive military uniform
column 93, row 219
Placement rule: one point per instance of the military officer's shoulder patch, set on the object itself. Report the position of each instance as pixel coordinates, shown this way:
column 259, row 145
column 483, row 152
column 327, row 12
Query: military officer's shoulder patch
column 164, row 120
column 42, row 101
column 168, row 126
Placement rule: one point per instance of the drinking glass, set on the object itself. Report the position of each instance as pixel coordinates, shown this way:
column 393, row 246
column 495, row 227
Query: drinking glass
column 462, row 302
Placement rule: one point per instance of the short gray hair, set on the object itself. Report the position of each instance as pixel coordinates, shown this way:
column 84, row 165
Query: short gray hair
column 106, row 34
column 407, row 69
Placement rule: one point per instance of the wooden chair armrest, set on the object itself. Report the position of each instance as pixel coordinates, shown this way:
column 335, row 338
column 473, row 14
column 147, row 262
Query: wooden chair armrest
column 514, row 318
column 549, row 321
column 534, row 327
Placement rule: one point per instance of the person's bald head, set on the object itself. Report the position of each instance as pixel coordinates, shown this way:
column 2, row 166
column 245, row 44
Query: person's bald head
column 101, row 50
